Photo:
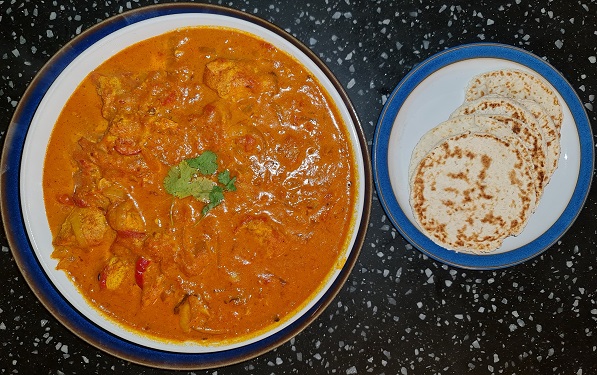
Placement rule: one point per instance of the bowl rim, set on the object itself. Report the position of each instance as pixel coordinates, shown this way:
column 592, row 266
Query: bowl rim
column 26, row 258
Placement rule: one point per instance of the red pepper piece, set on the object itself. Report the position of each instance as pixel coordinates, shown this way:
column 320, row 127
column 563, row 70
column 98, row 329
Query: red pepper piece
column 140, row 268
column 130, row 234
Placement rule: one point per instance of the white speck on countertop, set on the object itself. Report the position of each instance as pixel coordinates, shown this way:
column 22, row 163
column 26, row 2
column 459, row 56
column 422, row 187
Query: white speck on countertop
column 520, row 322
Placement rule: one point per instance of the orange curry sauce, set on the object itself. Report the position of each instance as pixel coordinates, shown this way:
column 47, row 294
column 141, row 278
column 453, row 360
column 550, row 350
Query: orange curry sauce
column 157, row 263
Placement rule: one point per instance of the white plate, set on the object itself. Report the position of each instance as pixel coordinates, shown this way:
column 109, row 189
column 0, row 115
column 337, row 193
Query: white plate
column 426, row 97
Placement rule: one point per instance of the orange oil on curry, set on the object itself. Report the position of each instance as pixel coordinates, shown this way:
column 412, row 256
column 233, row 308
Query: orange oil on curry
column 152, row 261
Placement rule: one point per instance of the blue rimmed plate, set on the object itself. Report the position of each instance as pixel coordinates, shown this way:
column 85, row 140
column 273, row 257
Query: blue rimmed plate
column 22, row 200
column 425, row 97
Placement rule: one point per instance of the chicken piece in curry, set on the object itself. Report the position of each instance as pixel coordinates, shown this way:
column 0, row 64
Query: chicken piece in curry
column 199, row 186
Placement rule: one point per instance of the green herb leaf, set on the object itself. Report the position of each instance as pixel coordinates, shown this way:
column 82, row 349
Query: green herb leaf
column 228, row 182
column 187, row 179
column 201, row 188
column 206, row 163
column 216, row 196
column 182, row 182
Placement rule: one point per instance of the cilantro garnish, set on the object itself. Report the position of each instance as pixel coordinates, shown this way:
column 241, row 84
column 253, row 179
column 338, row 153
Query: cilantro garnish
column 224, row 179
column 194, row 177
column 206, row 163
column 216, row 196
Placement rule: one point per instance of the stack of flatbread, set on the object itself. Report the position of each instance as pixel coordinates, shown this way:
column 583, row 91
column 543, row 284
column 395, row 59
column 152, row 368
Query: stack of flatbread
column 477, row 177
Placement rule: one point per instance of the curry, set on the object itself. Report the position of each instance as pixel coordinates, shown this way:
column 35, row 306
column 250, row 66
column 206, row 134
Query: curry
column 199, row 186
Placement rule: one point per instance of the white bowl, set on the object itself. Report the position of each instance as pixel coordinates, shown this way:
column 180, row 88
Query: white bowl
column 25, row 152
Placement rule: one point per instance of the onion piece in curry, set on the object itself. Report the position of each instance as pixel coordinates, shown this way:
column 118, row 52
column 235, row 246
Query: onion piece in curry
column 135, row 219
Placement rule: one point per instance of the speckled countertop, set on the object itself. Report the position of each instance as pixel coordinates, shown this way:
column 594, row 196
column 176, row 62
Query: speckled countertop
column 400, row 312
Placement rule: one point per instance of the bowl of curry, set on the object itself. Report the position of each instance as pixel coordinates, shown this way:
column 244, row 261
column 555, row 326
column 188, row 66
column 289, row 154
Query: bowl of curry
column 193, row 186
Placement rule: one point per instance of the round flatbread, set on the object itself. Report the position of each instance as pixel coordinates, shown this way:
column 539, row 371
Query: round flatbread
column 550, row 132
column 472, row 191
column 445, row 129
column 523, row 123
column 517, row 84
column 501, row 127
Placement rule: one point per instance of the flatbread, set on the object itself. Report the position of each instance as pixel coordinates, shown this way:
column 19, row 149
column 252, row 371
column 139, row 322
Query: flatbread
column 477, row 177
column 472, row 191
column 445, row 129
column 501, row 127
column 517, row 84
column 523, row 123
column 550, row 132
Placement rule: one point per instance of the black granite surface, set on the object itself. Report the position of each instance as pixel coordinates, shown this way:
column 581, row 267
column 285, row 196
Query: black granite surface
column 400, row 312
